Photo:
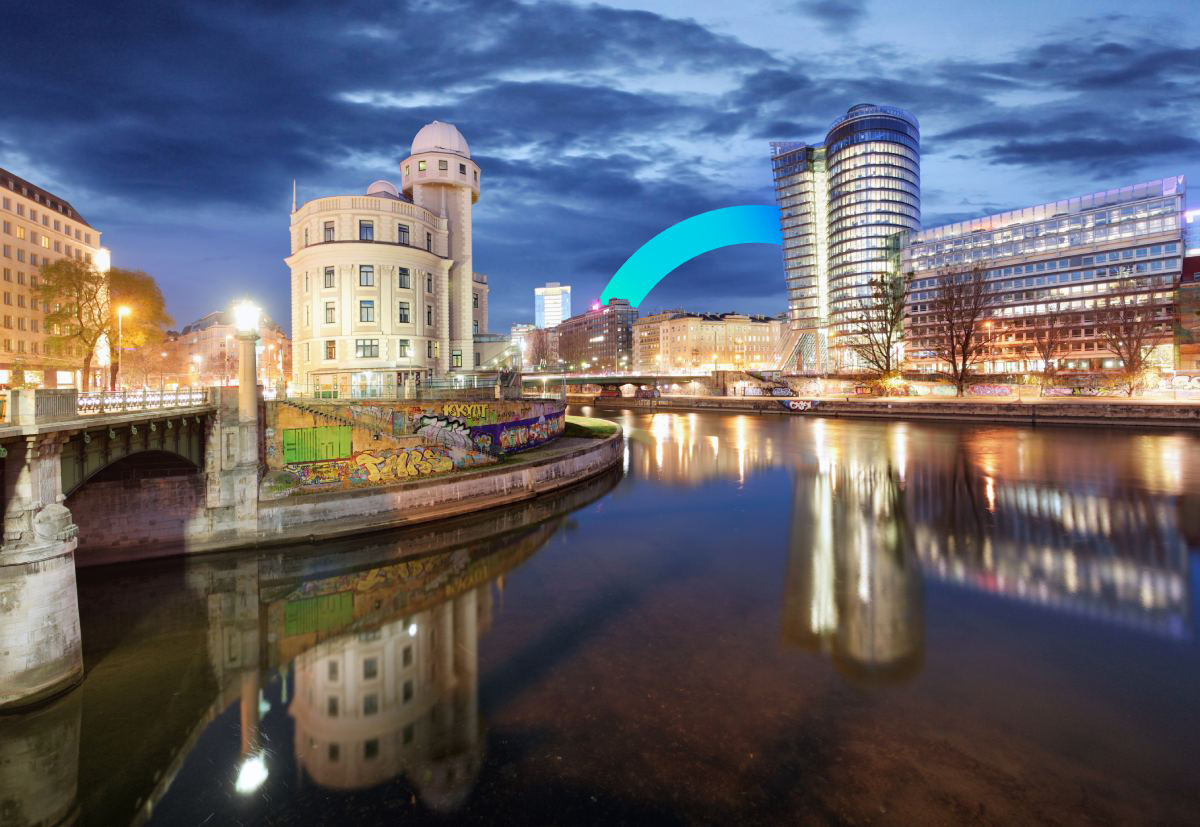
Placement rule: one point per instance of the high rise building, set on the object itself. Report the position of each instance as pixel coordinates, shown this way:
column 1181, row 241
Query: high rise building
column 1056, row 265
column 382, row 284
column 551, row 304
column 600, row 339
column 36, row 228
column 843, row 204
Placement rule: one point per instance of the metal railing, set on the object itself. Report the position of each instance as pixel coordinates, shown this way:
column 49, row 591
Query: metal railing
column 99, row 402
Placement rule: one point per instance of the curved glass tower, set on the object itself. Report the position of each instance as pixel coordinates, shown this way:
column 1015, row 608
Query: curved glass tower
column 843, row 204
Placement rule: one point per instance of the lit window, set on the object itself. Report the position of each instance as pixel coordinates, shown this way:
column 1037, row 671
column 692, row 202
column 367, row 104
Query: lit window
column 420, row 166
column 402, row 348
column 330, row 349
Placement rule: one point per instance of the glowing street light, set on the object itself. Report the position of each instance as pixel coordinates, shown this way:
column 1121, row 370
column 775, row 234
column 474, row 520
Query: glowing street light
column 122, row 312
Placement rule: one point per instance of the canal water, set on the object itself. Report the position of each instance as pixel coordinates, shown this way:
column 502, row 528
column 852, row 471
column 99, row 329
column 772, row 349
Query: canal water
column 760, row 620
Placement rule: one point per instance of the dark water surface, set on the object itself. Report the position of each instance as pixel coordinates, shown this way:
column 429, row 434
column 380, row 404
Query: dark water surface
column 757, row 620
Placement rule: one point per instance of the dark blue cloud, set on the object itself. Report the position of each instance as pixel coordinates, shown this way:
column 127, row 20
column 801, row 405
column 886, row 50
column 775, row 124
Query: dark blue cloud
column 177, row 128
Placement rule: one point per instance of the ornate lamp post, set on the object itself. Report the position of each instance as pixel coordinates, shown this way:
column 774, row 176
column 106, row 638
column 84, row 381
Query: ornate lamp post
column 245, row 319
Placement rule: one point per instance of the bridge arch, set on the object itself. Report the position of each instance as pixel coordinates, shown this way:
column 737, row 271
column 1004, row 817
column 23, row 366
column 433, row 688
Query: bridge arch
column 160, row 443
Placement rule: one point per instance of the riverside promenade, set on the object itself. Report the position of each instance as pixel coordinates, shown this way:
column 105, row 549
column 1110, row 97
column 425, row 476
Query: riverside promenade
column 1080, row 411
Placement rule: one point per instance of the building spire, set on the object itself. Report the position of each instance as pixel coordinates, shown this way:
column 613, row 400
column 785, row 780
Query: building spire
column 293, row 195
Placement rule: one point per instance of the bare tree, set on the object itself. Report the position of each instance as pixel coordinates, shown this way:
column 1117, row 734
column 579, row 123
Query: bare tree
column 1049, row 340
column 1130, row 330
column 958, row 332
column 877, row 324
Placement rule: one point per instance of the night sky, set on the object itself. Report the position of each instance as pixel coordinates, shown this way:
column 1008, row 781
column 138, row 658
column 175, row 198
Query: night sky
column 176, row 128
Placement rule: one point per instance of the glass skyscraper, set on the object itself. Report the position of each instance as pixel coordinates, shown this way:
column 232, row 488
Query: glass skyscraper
column 551, row 304
column 844, row 205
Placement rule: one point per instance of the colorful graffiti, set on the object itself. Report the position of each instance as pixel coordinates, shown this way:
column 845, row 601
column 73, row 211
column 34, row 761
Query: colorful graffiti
column 990, row 390
column 443, row 431
column 797, row 405
column 508, row 437
column 375, row 467
column 473, row 413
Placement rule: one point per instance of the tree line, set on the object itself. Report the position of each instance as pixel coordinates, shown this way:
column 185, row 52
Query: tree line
column 85, row 306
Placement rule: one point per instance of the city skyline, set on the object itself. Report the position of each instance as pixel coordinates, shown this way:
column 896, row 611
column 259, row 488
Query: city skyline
column 198, row 194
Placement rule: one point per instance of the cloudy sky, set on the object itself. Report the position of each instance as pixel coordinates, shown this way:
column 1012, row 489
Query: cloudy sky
column 176, row 128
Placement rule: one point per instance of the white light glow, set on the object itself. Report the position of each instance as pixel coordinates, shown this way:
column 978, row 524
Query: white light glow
column 252, row 774
column 412, row 630
column 245, row 317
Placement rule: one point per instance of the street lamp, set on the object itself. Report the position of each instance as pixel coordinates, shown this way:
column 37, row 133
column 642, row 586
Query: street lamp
column 245, row 320
column 122, row 312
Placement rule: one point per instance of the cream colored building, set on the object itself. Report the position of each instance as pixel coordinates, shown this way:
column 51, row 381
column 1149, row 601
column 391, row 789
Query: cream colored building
column 676, row 341
column 37, row 227
column 205, row 352
column 382, row 283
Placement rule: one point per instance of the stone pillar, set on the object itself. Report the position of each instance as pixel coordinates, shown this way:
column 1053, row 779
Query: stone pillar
column 245, row 475
column 41, row 652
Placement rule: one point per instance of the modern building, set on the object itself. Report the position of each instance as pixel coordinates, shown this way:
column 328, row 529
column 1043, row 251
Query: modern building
column 205, row 352
column 600, row 339
column 36, row 228
column 678, row 341
column 383, row 288
column 1054, row 265
column 843, row 203
column 551, row 304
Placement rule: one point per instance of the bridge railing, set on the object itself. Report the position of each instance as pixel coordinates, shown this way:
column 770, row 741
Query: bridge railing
column 36, row 406
column 100, row 402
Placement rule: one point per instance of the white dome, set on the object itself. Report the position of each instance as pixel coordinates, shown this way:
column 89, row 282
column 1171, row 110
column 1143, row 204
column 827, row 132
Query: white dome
column 440, row 136
column 382, row 187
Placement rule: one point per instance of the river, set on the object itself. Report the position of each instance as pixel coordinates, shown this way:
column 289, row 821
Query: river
column 757, row 620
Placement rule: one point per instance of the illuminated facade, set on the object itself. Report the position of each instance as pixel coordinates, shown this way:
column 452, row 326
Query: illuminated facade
column 36, row 228
column 382, row 283
column 1053, row 265
column 678, row 341
column 843, row 204
column 600, row 339
column 551, row 304
column 205, row 352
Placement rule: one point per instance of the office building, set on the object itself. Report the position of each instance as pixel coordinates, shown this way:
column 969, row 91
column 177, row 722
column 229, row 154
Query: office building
column 688, row 342
column 551, row 304
column 843, row 204
column 1053, row 266
column 383, row 288
column 600, row 339
column 36, row 228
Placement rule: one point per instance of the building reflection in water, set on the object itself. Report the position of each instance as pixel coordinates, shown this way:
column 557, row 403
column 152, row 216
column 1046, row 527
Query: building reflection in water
column 401, row 699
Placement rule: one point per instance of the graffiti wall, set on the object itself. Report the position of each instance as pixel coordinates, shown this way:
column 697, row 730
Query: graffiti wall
column 382, row 466
column 509, row 437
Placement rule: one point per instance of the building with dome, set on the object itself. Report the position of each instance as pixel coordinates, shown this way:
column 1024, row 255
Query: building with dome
column 383, row 289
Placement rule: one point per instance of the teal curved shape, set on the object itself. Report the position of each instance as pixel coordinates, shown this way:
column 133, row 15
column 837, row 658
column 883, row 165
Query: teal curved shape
column 750, row 224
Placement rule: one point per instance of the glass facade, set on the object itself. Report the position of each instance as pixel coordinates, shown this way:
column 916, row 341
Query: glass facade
column 843, row 207
column 1051, row 266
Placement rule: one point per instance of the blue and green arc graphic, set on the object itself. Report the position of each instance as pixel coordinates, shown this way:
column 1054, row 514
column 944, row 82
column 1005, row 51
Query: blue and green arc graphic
column 750, row 224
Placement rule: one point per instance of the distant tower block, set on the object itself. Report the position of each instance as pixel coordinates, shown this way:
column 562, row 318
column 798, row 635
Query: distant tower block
column 440, row 176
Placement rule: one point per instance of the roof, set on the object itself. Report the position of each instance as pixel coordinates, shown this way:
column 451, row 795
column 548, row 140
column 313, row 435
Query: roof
column 440, row 136
column 22, row 187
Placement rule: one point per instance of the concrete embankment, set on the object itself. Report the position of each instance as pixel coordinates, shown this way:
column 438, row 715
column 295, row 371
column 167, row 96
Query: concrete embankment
column 318, row 516
column 1103, row 413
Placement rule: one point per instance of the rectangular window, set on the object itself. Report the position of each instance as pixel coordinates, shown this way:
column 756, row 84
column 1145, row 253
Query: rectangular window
column 402, row 234
column 462, row 169
column 429, row 315
column 408, row 691
column 333, row 670
column 402, row 348
column 335, row 752
column 366, row 310
column 406, row 659
column 366, row 275
column 331, row 707
column 330, row 349
column 474, row 325
column 330, row 278
column 329, row 231
column 370, row 668
column 402, row 313
column 456, row 359
column 429, row 242
column 444, row 165
column 403, row 278
column 371, row 747
column 476, row 358
column 330, row 312
column 366, row 348
column 475, row 300
column 366, row 231
column 429, row 350
column 306, row 236
column 421, row 166
column 428, row 283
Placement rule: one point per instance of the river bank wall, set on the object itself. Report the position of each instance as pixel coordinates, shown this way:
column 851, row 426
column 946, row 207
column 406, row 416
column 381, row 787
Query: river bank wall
column 1043, row 412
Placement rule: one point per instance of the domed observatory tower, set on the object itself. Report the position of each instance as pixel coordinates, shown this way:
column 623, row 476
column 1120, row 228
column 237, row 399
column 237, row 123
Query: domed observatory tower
column 440, row 176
